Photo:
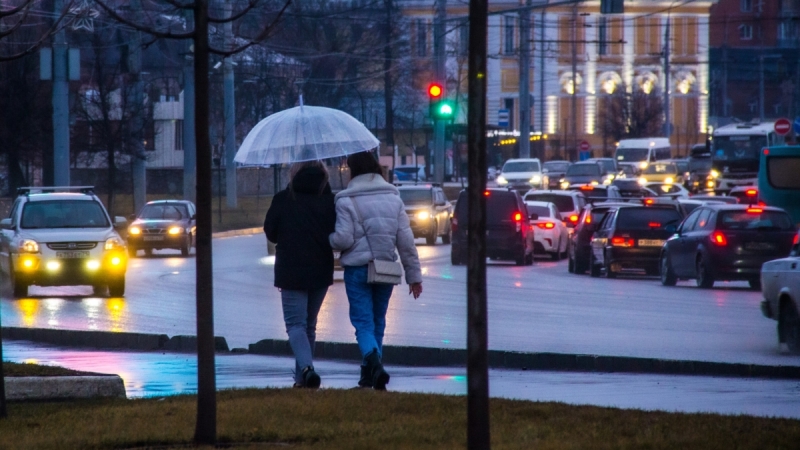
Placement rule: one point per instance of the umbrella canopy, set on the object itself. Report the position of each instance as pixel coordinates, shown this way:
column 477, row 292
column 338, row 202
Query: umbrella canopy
column 304, row 133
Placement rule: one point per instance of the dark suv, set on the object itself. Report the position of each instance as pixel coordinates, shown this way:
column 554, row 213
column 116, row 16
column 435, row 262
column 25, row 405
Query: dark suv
column 506, row 228
column 428, row 211
column 580, row 241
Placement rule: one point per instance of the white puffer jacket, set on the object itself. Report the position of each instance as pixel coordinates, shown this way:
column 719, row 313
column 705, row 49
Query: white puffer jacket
column 384, row 216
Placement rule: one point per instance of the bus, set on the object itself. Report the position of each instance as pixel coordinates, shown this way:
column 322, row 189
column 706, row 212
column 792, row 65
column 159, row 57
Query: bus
column 779, row 179
column 735, row 152
column 641, row 152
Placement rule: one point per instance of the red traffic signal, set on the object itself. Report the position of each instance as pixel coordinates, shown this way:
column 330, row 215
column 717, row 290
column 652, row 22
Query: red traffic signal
column 435, row 91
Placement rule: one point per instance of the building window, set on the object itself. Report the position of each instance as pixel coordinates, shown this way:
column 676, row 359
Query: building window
column 509, row 105
column 602, row 37
column 422, row 38
column 745, row 32
column 178, row 134
column 508, row 35
column 746, row 5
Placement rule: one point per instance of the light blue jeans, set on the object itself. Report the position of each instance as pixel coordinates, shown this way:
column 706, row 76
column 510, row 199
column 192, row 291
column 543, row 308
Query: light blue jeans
column 368, row 306
column 300, row 310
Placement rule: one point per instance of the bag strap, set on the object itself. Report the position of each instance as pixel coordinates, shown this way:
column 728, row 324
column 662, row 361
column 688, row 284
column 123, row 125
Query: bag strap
column 364, row 227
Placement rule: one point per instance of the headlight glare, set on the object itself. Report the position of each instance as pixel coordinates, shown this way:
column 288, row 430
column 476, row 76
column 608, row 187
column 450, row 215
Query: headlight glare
column 714, row 174
column 113, row 243
column 502, row 180
column 669, row 180
column 28, row 246
column 175, row 230
column 423, row 215
column 642, row 181
column 134, row 230
column 536, row 179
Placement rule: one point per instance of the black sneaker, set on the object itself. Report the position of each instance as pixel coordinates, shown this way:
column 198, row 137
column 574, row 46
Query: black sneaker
column 310, row 378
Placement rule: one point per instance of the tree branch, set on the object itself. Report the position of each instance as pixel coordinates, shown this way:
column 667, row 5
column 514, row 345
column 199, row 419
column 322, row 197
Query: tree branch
column 260, row 37
column 12, row 11
column 251, row 4
column 142, row 28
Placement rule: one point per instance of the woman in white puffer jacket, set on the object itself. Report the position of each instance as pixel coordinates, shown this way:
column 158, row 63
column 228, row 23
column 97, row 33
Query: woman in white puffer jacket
column 386, row 224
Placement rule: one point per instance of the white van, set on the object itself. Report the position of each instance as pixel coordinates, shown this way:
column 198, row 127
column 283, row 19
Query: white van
column 642, row 152
column 521, row 174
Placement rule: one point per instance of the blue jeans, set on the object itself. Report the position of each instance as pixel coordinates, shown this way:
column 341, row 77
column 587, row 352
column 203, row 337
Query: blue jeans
column 368, row 305
column 300, row 310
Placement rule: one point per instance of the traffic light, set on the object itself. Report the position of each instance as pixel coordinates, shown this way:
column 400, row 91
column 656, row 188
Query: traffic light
column 440, row 108
column 435, row 92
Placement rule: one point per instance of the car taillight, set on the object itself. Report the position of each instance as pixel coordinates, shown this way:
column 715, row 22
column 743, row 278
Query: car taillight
column 517, row 217
column 719, row 239
column 618, row 241
column 588, row 218
column 649, row 201
column 796, row 239
column 654, row 225
column 755, row 210
column 546, row 225
column 573, row 218
column 751, row 192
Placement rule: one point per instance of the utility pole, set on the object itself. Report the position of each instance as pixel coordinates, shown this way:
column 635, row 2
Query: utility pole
column 524, row 82
column 138, row 157
column 667, row 121
column 440, row 56
column 189, row 147
column 574, row 99
column 60, row 104
column 761, row 88
column 230, row 115
column 541, row 81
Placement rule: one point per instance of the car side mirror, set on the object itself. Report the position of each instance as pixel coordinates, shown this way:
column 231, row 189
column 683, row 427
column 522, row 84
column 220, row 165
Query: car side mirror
column 533, row 216
column 5, row 224
column 132, row 217
column 120, row 222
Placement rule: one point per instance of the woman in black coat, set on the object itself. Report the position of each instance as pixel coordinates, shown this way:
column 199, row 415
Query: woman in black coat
column 299, row 221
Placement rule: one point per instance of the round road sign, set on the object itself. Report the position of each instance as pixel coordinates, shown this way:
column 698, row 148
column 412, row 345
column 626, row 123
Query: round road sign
column 585, row 146
column 783, row 126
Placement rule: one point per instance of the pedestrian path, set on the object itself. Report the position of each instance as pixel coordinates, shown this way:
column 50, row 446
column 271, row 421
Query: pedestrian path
column 161, row 374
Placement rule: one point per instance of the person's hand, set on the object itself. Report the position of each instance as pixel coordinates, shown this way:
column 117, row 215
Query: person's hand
column 415, row 289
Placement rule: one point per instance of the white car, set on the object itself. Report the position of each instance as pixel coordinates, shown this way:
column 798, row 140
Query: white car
column 568, row 203
column 58, row 236
column 671, row 190
column 521, row 174
column 780, row 285
column 550, row 235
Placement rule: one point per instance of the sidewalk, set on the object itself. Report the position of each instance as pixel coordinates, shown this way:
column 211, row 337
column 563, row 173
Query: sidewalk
column 161, row 374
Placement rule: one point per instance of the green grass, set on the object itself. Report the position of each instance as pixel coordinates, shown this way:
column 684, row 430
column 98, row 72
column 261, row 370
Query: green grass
column 365, row 419
column 34, row 370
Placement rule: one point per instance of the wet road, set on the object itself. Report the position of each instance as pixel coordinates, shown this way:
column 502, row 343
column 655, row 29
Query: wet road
column 541, row 308
column 157, row 374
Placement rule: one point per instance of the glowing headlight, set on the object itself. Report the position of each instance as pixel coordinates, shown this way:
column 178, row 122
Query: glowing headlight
column 643, row 165
column 501, row 180
column 134, row 230
column 669, row 180
column 642, row 181
column 711, row 184
column 28, row 246
column 115, row 261
column 536, row 179
column 423, row 215
column 113, row 243
column 564, row 184
column 52, row 266
column 28, row 262
column 714, row 174
column 93, row 264
column 175, row 230
column 594, row 183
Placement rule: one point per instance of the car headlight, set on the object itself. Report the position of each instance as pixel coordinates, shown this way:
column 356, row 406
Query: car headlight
column 501, row 180
column 536, row 179
column 28, row 246
column 643, row 165
column 669, row 180
column 423, row 215
column 594, row 183
column 134, row 230
column 714, row 174
column 564, row 184
column 114, row 243
column 175, row 230
column 642, row 181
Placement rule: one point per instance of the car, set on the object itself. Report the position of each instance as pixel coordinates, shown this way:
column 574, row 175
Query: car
column 726, row 242
column 428, row 211
column 521, row 174
column 745, row 194
column 780, row 286
column 580, row 173
column 629, row 171
column 716, row 198
column 409, row 172
column 630, row 239
column 609, row 168
column 548, row 232
column 683, row 169
column 62, row 236
column 690, row 204
column 579, row 248
column 568, row 203
column 630, row 188
column 553, row 172
column 663, row 172
column 506, row 228
column 671, row 190
column 596, row 192
column 163, row 224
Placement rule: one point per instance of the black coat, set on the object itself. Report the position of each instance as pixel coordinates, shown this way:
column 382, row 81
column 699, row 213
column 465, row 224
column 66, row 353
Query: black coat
column 299, row 223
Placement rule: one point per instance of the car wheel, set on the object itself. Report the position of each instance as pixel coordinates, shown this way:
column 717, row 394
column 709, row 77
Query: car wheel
column 570, row 264
column 607, row 266
column 430, row 239
column 446, row 237
column 755, row 284
column 704, row 278
column 99, row 289
column 790, row 325
column 668, row 277
column 132, row 251
column 185, row 248
column 116, row 287
column 529, row 259
column 580, row 265
column 594, row 268
column 455, row 257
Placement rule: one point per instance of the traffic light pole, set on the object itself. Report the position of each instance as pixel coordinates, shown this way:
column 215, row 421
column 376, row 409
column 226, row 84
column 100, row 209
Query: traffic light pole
column 441, row 77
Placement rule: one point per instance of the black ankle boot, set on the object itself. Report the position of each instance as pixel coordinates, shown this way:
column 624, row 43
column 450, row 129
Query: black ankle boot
column 366, row 377
column 378, row 376
column 311, row 379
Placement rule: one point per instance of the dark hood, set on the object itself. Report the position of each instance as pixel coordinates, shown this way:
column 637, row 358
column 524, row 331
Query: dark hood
column 309, row 180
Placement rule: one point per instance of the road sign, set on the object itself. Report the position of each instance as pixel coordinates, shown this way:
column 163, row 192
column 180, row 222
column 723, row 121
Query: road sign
column 796, row 125
column 502, row 117
column 783, row 126
column 585, row 146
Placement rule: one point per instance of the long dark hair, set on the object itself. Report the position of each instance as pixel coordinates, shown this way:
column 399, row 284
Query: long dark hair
column 362, row 163
column 297, row 167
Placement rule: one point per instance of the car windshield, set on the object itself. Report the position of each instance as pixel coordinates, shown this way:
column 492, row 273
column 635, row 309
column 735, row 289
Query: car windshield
column 631, row 154
column 541, row 211
column 647, row 218
column 660, row 169
column 164, row 211
column 521, row 166
column 608, row 165
column 583, row 169
column 554, row 166
column 564, row 203
column 416, row 196
column 728, row 148
column 755, row 219
column 64, row 214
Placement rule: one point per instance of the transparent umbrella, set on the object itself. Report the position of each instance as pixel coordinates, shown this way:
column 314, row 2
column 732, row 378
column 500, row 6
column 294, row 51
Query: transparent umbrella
column 304, row 133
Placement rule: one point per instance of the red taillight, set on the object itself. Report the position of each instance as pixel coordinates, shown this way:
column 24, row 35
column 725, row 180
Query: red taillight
column 587, row 187
column 617, row 241
column 796, row 239
column 766, row 151
column 588, row 218
column 649, row 201
column 574, row 218
column 751, row 192
column 654, row 225
column 485, row 193
column 755, row 210
column 517, row 217
column 546, row 225
column 719, row 238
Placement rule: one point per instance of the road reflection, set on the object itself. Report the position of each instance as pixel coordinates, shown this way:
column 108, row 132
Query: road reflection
column 101, row 313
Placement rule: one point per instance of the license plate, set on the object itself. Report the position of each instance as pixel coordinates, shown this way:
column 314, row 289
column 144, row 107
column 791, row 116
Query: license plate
column 154, row 238
column 67, row 255
column 650, row 242
column 759, row 246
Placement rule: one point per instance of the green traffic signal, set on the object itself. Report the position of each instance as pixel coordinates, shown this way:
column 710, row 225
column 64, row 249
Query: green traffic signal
column 443, row 110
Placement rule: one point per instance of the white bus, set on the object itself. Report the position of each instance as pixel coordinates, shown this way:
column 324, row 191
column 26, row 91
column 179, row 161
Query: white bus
column 643, row 151
column 735, row 153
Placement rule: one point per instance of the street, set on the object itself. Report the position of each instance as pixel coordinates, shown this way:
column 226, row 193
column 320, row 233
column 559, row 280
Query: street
column 540, row 308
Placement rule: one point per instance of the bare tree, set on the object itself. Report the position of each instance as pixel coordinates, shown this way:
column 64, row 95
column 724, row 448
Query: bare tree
column 633, row 114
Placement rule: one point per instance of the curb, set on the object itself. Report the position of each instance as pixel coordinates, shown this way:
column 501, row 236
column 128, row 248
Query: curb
column 498, row 359
column 242, row 232
column 110, row 340
column 63, row 388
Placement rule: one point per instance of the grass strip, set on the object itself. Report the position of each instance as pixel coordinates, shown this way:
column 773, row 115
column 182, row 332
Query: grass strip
column 365, row 419
column 35, row 370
